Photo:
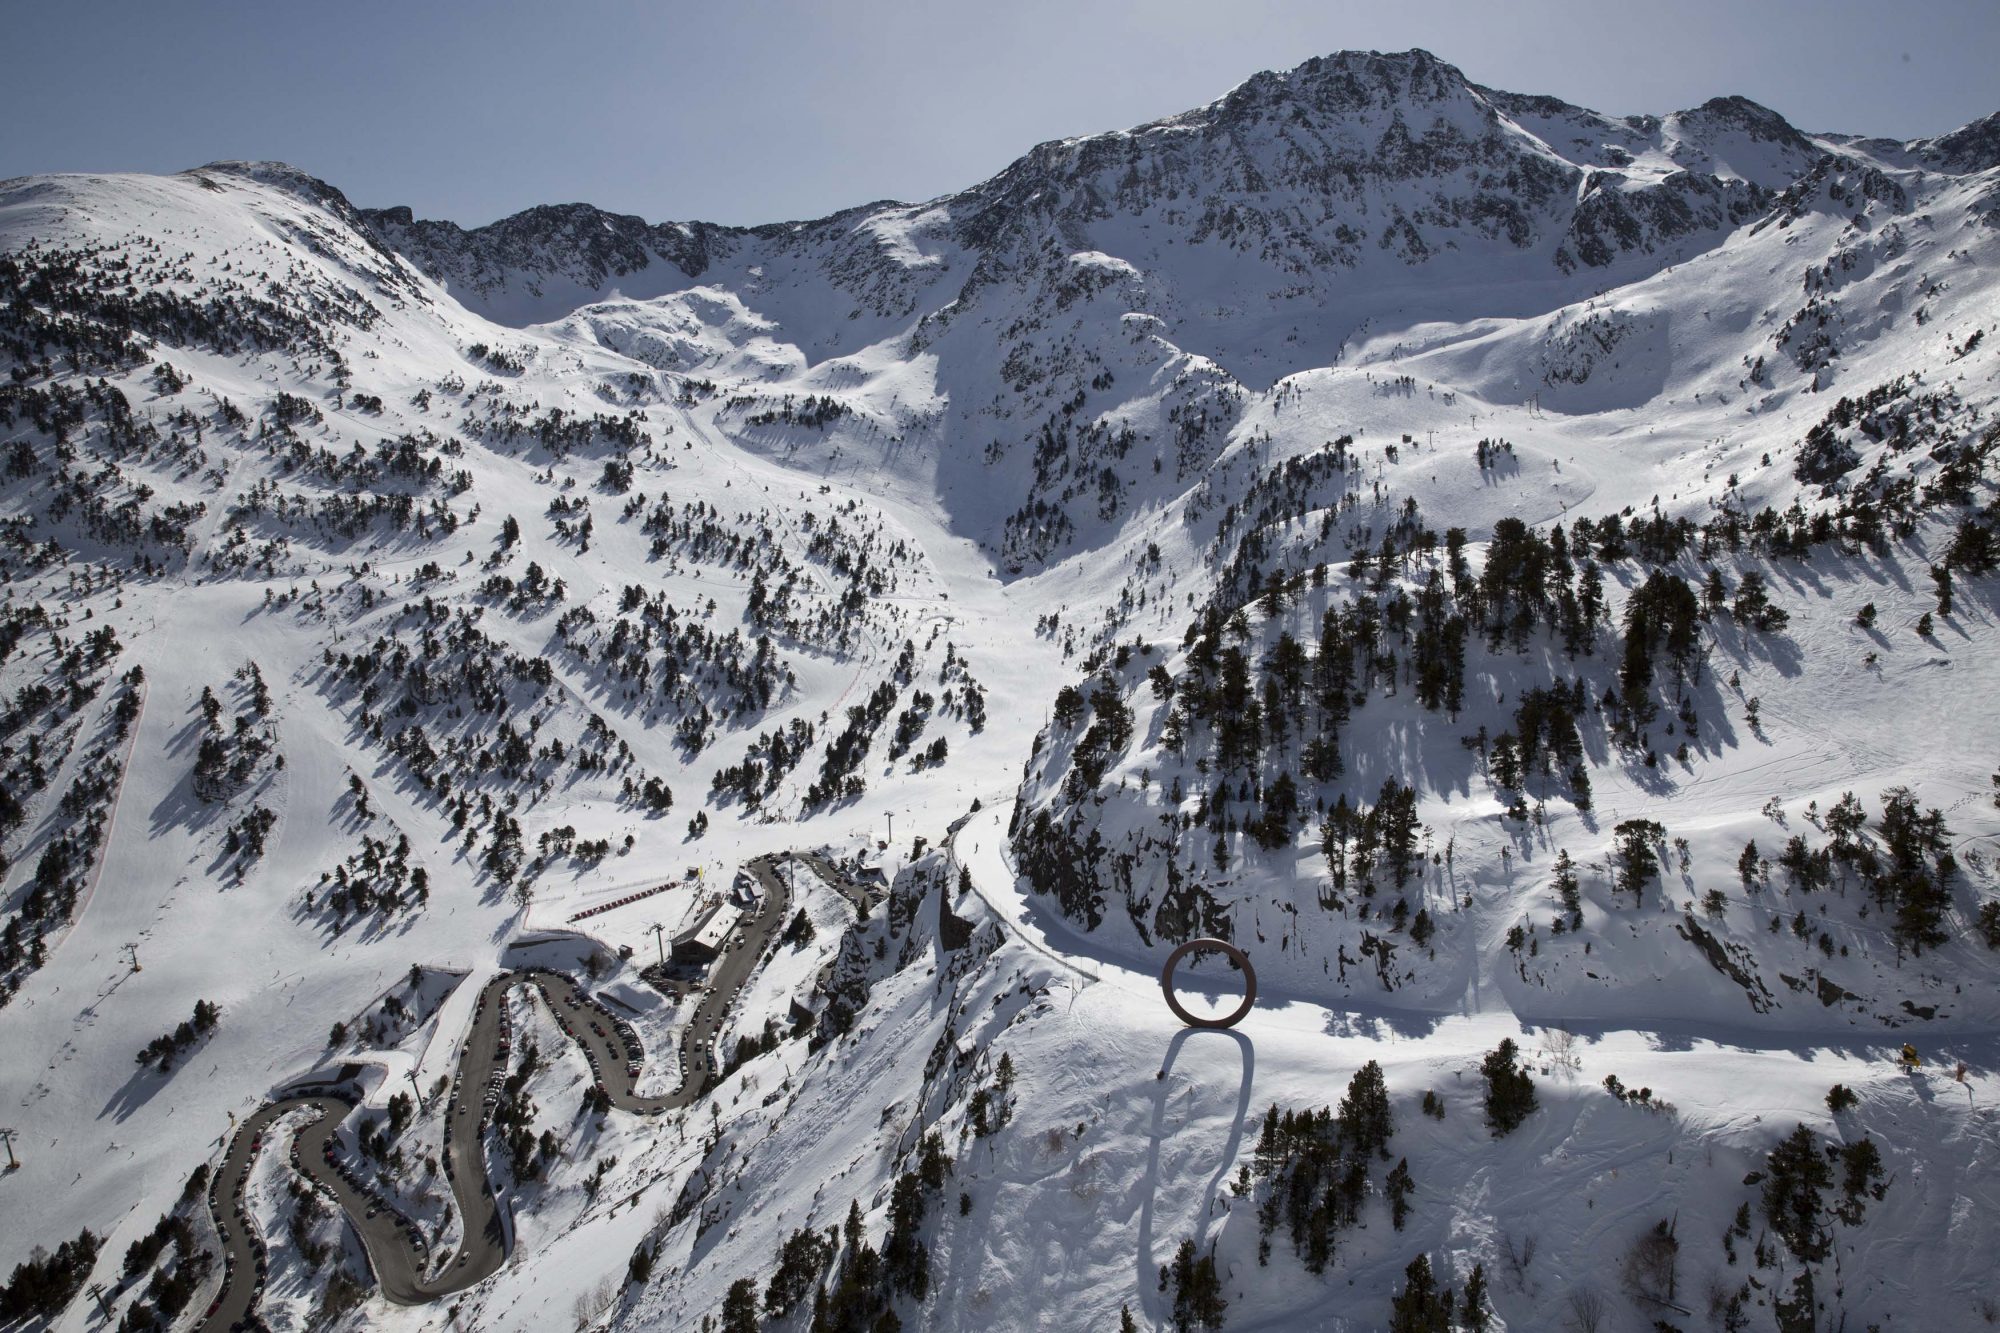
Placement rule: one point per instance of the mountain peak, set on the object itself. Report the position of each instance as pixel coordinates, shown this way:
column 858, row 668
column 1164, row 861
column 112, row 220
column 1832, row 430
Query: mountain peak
column 282, row 175
column 1736, row 112
column 1967, row 149
column 1351, row 80
column 1389, row 67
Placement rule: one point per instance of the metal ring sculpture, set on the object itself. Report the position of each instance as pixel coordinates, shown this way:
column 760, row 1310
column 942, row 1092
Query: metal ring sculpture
column 1236, row 956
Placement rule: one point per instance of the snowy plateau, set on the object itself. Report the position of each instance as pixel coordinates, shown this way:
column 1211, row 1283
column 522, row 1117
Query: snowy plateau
column 1525, row 576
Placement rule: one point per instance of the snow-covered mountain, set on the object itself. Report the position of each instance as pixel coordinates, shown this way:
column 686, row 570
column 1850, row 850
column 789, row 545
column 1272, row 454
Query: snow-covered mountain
column 1523, row 575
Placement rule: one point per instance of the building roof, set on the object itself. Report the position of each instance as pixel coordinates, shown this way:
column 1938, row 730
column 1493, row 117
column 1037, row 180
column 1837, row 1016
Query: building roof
column 714, row 930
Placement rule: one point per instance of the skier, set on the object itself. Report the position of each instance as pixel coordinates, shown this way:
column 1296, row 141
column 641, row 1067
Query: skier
column 1911, row 1060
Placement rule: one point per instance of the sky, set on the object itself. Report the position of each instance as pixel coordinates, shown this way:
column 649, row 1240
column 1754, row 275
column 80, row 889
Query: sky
column 753, row 111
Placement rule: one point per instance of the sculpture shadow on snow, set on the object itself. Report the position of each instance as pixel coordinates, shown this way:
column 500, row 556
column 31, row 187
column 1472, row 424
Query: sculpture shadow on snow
column 1148, row 1263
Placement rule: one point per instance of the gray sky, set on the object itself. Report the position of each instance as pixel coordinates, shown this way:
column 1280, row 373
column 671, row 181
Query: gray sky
column 751, row 111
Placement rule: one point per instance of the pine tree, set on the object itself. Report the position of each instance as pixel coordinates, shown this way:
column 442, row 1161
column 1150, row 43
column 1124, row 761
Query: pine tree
column 1795, row 1175
column 639, row 1270
column 1799, row 1314
column 1635, row 858
column 1068, row 707
column 1198, row 1302
column 1567, row 888
column 1861, row 1176
column 1421, row 1306
column 211, row 767
column 1475, row 1314
column 739, row 1307
column 1510, row 1093
column 905, row 1258
column 1366, row 1120
column 1941, row 577
column 1399, row 1187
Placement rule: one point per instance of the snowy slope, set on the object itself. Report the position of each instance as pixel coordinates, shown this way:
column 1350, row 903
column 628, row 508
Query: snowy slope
column 537, row 566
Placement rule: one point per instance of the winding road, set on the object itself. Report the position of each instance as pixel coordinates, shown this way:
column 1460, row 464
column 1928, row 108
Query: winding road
column 409, row 1274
